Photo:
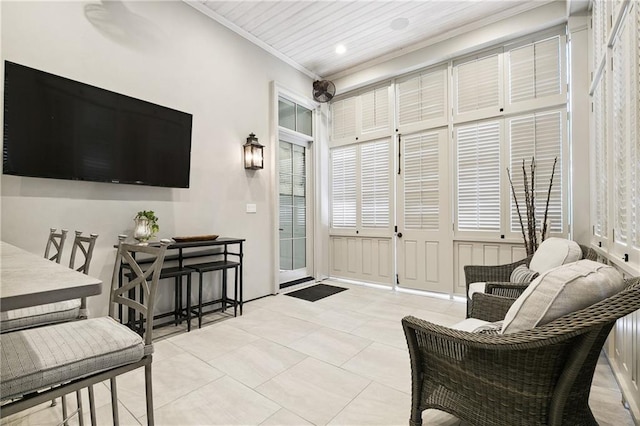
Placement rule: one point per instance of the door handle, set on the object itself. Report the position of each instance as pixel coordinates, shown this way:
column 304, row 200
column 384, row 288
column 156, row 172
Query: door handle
column 399, row 234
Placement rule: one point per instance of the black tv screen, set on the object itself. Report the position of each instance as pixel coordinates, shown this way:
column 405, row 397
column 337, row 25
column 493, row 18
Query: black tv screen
column 59, row 128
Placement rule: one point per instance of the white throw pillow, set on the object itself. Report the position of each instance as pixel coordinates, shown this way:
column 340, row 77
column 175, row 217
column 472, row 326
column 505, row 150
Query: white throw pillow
column 554, row 252
column 562, row 290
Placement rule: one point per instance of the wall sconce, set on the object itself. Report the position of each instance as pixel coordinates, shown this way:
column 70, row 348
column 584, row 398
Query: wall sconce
column 253, row 153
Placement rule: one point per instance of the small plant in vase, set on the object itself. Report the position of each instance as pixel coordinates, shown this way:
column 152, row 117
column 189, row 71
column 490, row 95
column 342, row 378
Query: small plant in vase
column 146, row 226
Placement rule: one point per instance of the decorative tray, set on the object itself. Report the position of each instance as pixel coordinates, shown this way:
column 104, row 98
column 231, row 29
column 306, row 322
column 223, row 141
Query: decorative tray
column 195, row 238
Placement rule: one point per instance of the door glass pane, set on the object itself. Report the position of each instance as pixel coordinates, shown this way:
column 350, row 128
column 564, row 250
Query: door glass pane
column 286, row 216
column 299, row 253
column 304, row 120
column 286, row 114
column 300, row 217
column 286, row 255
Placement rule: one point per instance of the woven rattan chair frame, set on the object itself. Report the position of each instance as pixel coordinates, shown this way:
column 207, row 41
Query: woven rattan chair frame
column 148, row 282
column 536, row 377
column 497, row 277
column 56, row 240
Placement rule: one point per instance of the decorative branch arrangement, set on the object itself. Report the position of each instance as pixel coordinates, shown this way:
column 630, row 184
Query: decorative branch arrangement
column 529, row 235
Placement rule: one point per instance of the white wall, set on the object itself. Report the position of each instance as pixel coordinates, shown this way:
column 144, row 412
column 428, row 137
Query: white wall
column 170, row 54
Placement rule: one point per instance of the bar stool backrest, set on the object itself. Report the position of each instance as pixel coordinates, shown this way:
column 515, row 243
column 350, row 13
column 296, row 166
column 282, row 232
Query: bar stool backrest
column 85, row 245
column 147, row 280
column 57, row 241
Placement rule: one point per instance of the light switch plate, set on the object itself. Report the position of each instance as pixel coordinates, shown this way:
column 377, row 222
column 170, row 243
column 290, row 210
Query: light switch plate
column 251, row 208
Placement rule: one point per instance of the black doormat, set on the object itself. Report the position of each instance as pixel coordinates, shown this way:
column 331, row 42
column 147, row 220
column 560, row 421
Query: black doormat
column 316, row 292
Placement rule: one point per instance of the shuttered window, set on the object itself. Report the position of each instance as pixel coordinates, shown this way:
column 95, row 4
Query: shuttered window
column 343, row 121
column 478, row 176
column 375, row 110
column 375, row 179
column 477, row 84
column 421, row 176
column 343, row 187
column 538, row 136
column 620, row 128
column 601, row 198
column 422, row 97
column 535, row 70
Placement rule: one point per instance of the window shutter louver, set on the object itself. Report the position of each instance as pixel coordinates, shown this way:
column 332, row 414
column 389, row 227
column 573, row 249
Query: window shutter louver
column 343, row 118
column 478, row 192
column 538, row 136
column 620, row 123
column 535, row 70
column 422, row 98
column 601, row 170
column 421, row 181
column 375, row 179
column 477, row 84
column 375, row 110
column 343, row 187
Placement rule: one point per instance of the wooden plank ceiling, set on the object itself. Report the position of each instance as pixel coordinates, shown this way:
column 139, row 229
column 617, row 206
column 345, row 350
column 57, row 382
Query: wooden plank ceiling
column 307, row 32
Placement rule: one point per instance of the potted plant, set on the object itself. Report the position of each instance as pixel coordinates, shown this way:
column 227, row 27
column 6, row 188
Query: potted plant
column 146, row 225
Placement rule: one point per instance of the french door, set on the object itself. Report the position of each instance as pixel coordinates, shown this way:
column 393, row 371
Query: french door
column 294, row 199
column 424, row 240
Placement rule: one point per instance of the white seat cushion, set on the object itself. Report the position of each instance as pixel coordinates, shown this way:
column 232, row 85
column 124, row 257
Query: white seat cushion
column 554, row 252
column 476, row 288
column 50, row 313
column 474, row 325
column 41, row 357
column 560, row 291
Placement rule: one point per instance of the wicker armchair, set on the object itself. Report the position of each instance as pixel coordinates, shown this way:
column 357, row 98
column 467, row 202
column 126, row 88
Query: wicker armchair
column 497, row 277
column 536, row 377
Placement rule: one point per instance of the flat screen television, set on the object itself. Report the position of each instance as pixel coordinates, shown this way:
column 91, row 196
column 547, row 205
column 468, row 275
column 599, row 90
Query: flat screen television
column 59, row 128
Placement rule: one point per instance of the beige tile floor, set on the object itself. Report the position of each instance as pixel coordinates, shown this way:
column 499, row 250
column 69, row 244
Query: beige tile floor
column 339, row 361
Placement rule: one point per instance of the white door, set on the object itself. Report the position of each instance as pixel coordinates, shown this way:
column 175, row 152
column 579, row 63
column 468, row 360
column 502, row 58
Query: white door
column 424, row 240
column 294, row 200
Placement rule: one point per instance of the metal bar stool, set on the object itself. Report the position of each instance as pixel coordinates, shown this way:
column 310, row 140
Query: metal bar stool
column 219, row 265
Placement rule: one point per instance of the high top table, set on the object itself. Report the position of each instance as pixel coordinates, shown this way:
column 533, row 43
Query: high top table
column 30, row 280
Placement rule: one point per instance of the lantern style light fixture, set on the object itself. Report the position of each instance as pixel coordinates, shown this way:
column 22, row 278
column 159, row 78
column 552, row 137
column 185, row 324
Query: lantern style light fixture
column 253, row 153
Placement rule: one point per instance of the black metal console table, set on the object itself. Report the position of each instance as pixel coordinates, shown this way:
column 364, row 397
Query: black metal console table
column 230, row 260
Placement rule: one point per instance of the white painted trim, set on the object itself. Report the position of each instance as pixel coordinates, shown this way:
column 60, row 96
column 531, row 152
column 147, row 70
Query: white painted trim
column 201, row 7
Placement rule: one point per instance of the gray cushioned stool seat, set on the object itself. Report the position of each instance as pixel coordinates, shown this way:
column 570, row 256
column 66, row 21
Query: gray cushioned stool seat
column 32, row 316
column 41, row 357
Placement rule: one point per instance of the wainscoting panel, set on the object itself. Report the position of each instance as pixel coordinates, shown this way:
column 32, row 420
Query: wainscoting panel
column 411, row 259
column 432, row 261
column 366, row 259
column 481, row 253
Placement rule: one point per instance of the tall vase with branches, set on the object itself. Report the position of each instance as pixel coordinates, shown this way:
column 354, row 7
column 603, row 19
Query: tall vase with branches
column 529, row 235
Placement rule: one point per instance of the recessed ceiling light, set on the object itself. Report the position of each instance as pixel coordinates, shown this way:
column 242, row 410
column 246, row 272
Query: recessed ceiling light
column 340, row 49
column 399, row 24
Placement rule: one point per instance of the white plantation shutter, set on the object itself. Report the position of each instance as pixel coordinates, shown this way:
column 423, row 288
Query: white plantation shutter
column 539, row 136
column 601, row 198
column 478, row 191
column 477, row 84
column 620, row 123
column 535, row 70
column 343, row 122
column 599, row 17
column 375, row 181
column 343, row 187
column 422, row 97
column 375, row 110
column 421, row 177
